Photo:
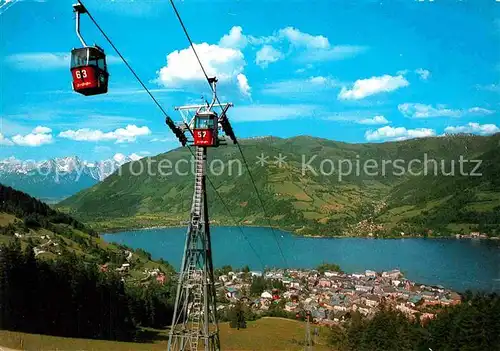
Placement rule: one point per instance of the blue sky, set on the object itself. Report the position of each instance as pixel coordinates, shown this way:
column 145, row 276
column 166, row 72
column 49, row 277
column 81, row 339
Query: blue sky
column 355, row 71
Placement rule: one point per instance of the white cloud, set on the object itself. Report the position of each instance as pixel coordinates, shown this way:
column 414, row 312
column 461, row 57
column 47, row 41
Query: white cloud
column 243, row 84
column 317, row 47
column 226, row 60
column 38, row 61
column 374, row 85
column 423, row 73
column 303, row 69
column 425, row 111
column 164, row 140
column 183, row 68
column 120, row 135
column 270, row 112
column 261, row 40
column 266, row 55
column 318, row 80
column 490, row 87
column 358, row 117
column 338, row 52
column 5, row 141
column 374, row 120
column 416, row 110
column 101, row 148
column 309, row 85
column 475, row 128
column 42, row 130
column 39, row 136
column 345, row 116
column 298, row 38
column 399, row 133
column 14, row 124
column 235, row 39
column 480, row 111
column 309, row 47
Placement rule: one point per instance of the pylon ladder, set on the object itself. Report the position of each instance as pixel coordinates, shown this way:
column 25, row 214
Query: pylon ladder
column 194, row 318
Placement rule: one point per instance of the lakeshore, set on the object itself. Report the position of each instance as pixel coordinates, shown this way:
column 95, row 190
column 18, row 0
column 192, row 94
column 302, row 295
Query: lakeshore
column 459, row 264
column 408, row 236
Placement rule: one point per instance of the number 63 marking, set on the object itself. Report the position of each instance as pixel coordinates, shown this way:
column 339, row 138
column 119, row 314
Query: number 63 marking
column 83, row 74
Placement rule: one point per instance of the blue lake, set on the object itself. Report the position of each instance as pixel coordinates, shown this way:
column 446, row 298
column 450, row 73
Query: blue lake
column 456, row 264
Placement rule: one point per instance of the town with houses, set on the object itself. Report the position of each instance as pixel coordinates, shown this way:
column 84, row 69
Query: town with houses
column 332, row 297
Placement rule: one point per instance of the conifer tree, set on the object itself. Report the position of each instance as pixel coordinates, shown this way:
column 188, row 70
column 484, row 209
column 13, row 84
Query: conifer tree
column 237, row 316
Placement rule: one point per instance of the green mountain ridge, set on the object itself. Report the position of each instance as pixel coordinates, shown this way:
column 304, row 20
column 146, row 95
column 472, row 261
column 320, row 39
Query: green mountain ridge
column 381, row 201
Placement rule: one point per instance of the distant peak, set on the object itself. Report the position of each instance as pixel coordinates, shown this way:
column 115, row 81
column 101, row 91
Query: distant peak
column 119, row 157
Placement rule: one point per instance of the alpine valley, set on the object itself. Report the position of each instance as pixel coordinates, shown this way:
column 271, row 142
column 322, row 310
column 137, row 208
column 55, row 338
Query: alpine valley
column 434, row 195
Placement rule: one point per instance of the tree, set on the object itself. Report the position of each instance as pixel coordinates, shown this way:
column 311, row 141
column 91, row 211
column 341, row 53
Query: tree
column 244, row 291
column 338, row 338
column 32, row 221
column 224, row 270
column 76, row 299
column 322, row 268
column 258, row 286
column 237, row 316
column 10, row 229
column 221, row 296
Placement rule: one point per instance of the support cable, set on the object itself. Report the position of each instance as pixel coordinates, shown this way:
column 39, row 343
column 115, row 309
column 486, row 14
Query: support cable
column 168, row 120
column 237, row 143
column 171, row 124
column 237, row 226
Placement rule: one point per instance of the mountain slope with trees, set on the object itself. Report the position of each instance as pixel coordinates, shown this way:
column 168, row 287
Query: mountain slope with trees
column 385, row 200
column 54, row 233
column 58, row 277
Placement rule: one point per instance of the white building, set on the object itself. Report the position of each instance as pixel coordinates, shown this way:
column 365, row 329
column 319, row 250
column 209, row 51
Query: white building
column 266, row 295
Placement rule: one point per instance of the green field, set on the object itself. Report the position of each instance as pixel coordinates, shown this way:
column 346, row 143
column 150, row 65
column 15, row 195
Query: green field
column 264, row 334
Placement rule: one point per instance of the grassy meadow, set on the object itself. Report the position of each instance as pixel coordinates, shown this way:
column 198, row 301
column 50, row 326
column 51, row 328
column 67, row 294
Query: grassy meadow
column 264, row 334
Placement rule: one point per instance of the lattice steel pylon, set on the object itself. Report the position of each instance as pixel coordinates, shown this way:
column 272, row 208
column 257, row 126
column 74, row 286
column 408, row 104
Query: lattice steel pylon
column 308, row 345
column 195, row 308
column 194, row 324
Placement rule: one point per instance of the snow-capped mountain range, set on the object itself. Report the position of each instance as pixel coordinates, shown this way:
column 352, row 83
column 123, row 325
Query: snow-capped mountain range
column 58, row 178
column 99, row 170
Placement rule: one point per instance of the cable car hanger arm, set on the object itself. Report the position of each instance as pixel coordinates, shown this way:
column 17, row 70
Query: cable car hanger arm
column 177, row 132
column 79, row 8
column 212, row 81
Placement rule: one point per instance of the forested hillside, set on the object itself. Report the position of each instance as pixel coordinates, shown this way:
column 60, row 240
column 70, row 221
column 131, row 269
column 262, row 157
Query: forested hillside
column 312, row 191
column 58, row 277
column 71, row 297
column 35, row 213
